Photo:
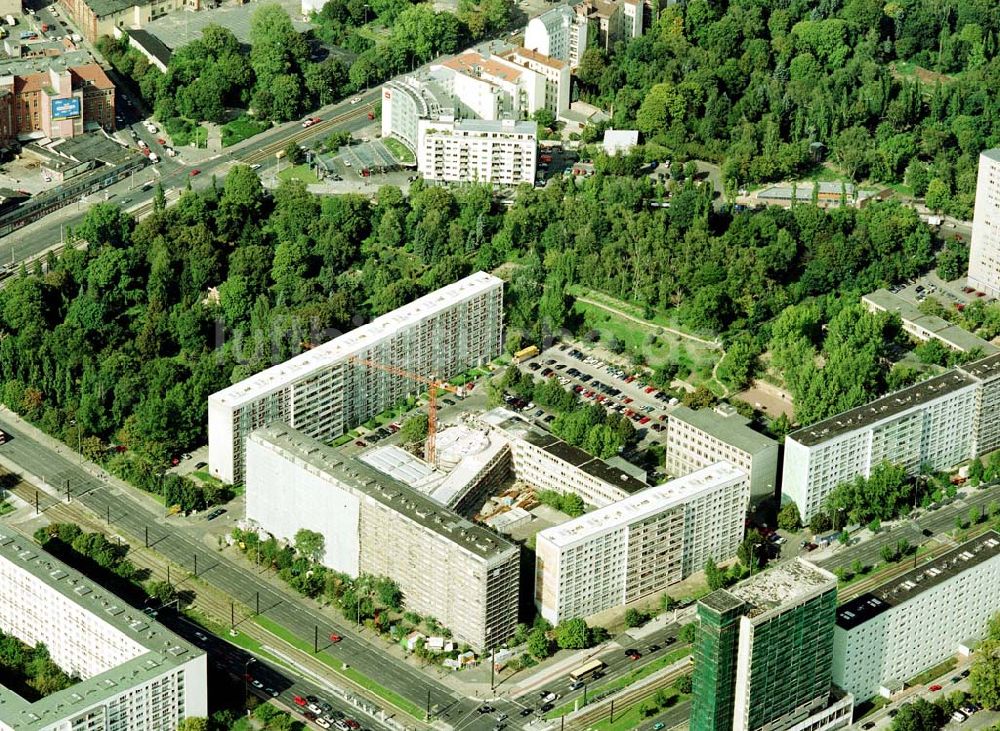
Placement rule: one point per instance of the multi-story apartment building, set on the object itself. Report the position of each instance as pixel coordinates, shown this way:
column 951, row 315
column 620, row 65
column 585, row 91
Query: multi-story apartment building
column 63, row 101
column 984, row 249
column 559, row 33
column 641, row 544
column 926, row 327
column 942, row 422
column 918, row 620
column 555, row 72
column 339, row 384
column 491, row 87
column 546, row 462
column 696, row 439
column 134, row 674
column 612, row 21
column 762, row 654
column 501, row 152
column 408, row 99
column 460, row 573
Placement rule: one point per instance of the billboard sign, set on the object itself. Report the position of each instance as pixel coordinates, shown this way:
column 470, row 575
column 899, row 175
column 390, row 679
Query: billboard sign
column 66, row 108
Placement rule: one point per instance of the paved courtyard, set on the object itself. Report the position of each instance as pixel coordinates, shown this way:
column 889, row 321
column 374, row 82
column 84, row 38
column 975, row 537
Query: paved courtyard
column 176, row 29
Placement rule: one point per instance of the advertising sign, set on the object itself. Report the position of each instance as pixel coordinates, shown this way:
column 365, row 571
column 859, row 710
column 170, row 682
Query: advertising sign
column 66, row 108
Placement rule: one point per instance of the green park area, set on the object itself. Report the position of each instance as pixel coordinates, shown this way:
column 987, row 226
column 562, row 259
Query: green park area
column 400, row 151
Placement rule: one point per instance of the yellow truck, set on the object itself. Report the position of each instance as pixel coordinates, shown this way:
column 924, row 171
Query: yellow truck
column 522, row 355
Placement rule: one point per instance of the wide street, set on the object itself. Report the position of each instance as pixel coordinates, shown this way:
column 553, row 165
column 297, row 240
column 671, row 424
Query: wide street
column 174, row 173
column 132, row 518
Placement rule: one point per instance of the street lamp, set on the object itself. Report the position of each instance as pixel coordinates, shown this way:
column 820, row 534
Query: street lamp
column 753, row 554
column 246, row 682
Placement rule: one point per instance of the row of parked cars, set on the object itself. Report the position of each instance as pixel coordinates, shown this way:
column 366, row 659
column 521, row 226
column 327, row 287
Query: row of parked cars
column 323, row 714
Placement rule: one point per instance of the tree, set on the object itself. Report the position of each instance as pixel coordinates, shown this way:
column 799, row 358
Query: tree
column 853, row 151
column 572, row 504
column 635, row 618
column 887, row 553
column 683, row 684
column 716, row 578
column 788, row 517
column 414, row 428
column 162, row 591
column 310, row 544
column 538, row 644
column 938, row 195
column 917, row 715
column 294, row 153
column 687, row 633
column 572, row 634
column 192, row 723
column 545, row 118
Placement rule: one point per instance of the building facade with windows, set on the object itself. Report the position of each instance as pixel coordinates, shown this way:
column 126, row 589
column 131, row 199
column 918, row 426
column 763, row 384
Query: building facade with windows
column 698, row 438
column 984, row 248
column 555, row 72
column 339, row 384
column 762, row 654
column 64, row 101
column 134, row 674
column 96, row 18
column 447, row 567
column 408, row 99
column 501, row 152
column 918, row 620
column 640, row 544
column 559, row 33
column 491, row 87
column 942, row 421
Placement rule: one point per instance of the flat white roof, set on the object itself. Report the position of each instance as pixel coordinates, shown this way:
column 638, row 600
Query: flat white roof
column 355, row 341
column 644, row 504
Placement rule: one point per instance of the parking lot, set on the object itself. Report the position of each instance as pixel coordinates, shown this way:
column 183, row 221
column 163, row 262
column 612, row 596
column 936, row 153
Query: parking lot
column 370, row 154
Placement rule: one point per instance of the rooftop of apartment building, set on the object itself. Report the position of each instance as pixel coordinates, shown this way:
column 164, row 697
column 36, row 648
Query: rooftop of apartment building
column 395, row 495
column 882, row 408
column 426, row 91
column 642, row 505
column 943, row 330
column 557, row 16
column 992, row 154
column 785, row 584
column 725, row 424
column 492, row 126
column 473, row 63
column 355, row 341
column 985, row 369
column 916, row 581
column 518, row 428
column 537, row 58
column 39, row 64
column 163, row 649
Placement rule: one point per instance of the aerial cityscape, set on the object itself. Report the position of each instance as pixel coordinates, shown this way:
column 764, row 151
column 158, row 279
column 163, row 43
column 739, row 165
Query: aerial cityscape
column 470, row 365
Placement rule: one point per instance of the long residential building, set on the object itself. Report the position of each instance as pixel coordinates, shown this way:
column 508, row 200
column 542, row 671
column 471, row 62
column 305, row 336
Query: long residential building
column 762, row 654
column 942, row 421
column 332, row 388
column 887, row 636
column 926, row 327
column 134, row 674
column 984, row 248
column 698, row 438
column 501, row 152
column 641, row 544
column 447, row 567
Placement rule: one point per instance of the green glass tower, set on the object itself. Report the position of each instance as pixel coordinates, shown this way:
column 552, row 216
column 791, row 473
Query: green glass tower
column 764, row 650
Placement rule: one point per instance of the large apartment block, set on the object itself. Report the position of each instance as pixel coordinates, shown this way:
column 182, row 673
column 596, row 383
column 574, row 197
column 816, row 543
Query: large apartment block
column 698, row 438
column 942, row 421
column 332, row 388
column 918, row 620
column 134, row 674
column 641, row 544
column 498, row 152
column 555, row 72
column 461, row 573
column 984, row 250
column 559, row 33
column 762, row 654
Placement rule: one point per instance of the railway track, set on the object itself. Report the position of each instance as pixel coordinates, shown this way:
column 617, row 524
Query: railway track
column 263, row 153
column 623, row 701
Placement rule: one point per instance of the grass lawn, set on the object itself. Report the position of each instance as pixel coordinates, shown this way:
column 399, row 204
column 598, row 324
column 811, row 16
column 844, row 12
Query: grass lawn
column 300, row 172
column 399, row 150
column 241, row 129
column 938, row 670
column 632, row 719
column 389, row 696
column 5, row 507
column 184, row 132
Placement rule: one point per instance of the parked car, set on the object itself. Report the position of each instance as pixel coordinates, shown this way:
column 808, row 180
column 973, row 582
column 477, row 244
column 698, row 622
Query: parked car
column 194, row 172
column 934, row 688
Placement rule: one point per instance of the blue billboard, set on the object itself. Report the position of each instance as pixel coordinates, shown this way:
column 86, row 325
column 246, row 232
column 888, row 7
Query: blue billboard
column 67, row 108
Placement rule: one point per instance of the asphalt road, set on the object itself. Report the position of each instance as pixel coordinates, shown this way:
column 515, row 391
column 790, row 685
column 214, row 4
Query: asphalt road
column 937, row 521
column 131, row 517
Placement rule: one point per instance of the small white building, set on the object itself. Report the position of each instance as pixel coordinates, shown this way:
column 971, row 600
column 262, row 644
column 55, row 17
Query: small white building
column 135, row 675
column 619, row 141
column 918, row 620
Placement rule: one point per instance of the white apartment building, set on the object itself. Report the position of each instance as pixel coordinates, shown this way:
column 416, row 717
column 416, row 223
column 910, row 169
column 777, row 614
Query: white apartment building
column 942, row 421
column 491, row 87
column 984, row 250
column 134, row 674
column 559, row 33
column 918, row 620
column 555, row 73
column 460, row 573
column 611, row 21
column 501, row 152
column 696, row 439
column 546, row 462
column 337, row 385
column 408, row 99
column 641, row 544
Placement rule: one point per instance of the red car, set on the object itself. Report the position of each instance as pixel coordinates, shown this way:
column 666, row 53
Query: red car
column 359, row 443
column 352, row 723
column 627, row 400
column 934, row 687
column 650, row 389
column 299, row 700
column 161, row 141
column 194, row 172
column 335, row 638
column 644, row 420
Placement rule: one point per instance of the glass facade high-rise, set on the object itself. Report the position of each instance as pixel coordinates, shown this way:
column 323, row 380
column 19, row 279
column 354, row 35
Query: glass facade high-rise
column 764, row 651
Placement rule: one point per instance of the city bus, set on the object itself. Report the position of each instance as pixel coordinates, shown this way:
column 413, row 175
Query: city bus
column 586, row 670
